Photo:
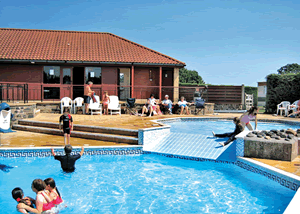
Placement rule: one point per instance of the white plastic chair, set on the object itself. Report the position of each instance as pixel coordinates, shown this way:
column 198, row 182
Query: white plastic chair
column 114, row 105
column 283, row 106
column 77, row 103
column 96, row 107
column 293, row 107
column 66, row 102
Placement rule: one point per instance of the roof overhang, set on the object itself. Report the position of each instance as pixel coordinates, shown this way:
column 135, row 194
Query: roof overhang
column 87, row 62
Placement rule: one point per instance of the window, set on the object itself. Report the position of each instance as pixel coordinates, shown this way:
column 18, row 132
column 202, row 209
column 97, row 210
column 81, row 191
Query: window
column 51, row 74
column 66, row 76
column 93, row 74
column 51, row 93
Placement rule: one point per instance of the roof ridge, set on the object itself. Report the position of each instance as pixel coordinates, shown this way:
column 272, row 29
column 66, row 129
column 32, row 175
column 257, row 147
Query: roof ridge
column 147, row 48
column 45, row 30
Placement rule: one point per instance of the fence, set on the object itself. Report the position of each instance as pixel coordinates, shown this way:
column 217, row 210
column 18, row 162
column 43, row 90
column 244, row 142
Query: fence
column 12, row 92
column 47, row 92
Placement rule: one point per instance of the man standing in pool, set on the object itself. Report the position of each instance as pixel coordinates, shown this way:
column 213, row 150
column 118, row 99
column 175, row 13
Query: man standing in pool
column 67, row 125
column 231, row 136
column 68, row 161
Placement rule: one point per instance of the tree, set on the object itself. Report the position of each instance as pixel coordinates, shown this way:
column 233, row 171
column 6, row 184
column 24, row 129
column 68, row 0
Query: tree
column 289, row 68
column 190, row 76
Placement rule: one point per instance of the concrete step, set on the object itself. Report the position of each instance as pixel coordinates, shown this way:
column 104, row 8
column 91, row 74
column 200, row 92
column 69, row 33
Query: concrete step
column 79, row 134
column 83, row 128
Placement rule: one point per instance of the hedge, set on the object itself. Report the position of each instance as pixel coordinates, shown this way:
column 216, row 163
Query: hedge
column 281, row 88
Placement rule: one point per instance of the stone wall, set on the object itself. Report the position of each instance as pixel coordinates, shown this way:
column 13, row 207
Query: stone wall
column 23, row 111
column 228, row 107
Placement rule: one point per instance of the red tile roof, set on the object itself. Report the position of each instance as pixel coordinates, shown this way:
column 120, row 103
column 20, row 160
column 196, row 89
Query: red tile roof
column 25, row 44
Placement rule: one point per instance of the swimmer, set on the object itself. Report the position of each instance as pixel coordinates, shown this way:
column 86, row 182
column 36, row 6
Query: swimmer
column 42, row 201
column 18, row 195
column 55, row 196
column 251, row 114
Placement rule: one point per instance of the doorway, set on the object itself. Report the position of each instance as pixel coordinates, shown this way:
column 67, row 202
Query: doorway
column 124, row 83
column 78, row 76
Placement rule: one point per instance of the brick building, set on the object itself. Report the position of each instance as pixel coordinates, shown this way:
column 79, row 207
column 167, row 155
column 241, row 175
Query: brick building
column 55, row 64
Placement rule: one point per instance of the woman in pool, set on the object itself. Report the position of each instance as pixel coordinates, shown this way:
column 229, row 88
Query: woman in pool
column 42, row 201
column 54, row 193
column 18, row 195
column 251, row 114
column 231, row 136
column 106, row 100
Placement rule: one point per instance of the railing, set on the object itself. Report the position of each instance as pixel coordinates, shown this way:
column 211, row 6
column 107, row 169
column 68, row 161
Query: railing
column 13, row 92
column 37, row 91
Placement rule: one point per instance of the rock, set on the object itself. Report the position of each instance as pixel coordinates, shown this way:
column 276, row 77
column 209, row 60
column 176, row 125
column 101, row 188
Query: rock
column 290, row 136
column 291, row 131
column 259, row 136
column 267, row 137
column 250, row 135
column 277, row 138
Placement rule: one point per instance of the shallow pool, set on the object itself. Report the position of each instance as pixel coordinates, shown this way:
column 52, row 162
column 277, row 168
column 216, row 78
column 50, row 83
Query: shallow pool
column 205, row 127
column 147, row 184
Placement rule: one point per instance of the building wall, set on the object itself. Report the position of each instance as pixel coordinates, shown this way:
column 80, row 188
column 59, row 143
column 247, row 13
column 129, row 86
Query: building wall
column 142, row 79
column 261, row 93
column 21, row 73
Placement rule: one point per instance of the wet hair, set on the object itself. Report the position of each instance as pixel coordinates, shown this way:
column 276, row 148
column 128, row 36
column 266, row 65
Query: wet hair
column 252, row 109
column 51, row 182
column 66, row 109
column 68, row 149
column 17, row 193
column 38, row 184
column 236, row 120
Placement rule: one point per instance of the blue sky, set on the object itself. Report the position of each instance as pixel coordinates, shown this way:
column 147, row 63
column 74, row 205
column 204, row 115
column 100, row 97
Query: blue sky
column 227, row 42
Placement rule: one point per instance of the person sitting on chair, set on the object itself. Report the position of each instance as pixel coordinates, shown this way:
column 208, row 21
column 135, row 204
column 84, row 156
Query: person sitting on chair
column 183, row 105
column 167, row 104
column 231, row 136
column 294, row 114
column 147, row 108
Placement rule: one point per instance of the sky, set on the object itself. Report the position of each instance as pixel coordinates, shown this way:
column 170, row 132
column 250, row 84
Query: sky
column 229, row 42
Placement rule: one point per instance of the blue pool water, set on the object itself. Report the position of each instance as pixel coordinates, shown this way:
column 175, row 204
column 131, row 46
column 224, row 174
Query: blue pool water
column 205, row 127
column 147, row 184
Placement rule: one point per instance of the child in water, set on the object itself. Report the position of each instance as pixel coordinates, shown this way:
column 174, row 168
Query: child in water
column 18, row 195
column 55, row 196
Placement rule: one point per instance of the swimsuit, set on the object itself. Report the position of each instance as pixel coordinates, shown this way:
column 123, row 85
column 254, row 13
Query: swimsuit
column 48, row 205
column 246, row 119
column 105, row 100
column 66, row 123
column 58, row 199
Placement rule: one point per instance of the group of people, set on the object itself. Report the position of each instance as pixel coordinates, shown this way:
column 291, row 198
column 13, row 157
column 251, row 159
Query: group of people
column 240, row 124
column 47, row 194
column 89, row 95
column 152, row 106
column 47, row 197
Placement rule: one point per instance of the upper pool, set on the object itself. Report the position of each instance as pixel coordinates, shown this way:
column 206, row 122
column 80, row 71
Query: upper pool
column 147, row 184
column 205, row 127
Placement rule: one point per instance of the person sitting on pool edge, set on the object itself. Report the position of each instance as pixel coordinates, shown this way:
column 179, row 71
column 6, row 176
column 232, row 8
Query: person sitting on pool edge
column 231, row 136
column 18, row 195
column 68, row 161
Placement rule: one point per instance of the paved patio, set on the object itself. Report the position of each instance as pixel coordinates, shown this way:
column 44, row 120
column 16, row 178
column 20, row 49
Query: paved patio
column 28, row 139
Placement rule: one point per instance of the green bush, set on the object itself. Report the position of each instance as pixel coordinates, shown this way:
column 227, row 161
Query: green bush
column 280, row 88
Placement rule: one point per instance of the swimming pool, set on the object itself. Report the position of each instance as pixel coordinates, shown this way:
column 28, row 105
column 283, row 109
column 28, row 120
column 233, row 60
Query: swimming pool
column 205, row 127
column 147, row 184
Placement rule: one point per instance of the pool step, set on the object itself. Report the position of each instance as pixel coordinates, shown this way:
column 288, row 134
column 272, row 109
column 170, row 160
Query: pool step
column 83, row 128
column 84, row 135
